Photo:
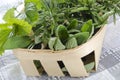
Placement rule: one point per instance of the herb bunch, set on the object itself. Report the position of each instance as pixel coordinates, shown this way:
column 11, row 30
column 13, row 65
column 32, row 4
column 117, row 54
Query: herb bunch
column 55, row 24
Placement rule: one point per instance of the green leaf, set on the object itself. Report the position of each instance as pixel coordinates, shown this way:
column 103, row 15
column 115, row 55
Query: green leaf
column 45, row 38
column 62, row 33
column 5, row 26
column 52, row 43
column 31, row 13
column 91, row 2
column 73, row 31
column 82, row 37
column 5, row 30
column 89, row 66
column 107, row 14
column 58, row 45
column 79, row 9
column 36, row 2
column 71, row 43
column 9, row 14
column 73, row 24
column 52, row 29
column 37, row 39
column 60, row 1
column 87, row 27
column 4, row 34
column 21, row 27
column 17, row 42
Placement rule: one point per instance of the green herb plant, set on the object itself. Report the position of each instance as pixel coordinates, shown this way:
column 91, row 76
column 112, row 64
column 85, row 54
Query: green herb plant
column 55, row 24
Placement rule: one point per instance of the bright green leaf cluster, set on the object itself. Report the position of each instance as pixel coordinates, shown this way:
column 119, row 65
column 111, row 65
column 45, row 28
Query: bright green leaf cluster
column 14, row 32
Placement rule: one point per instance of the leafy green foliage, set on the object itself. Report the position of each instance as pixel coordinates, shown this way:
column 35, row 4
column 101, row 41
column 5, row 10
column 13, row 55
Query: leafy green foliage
column 17, row 42
column 52, row 43
column 56, row 24
column 31, row 13
column 62, row 33
column 87, row 27
column 82, row 37
column 9, row 14
column 35, row 2
column 4, row 34
column 58, row 45
column 79, row 9
column 20, row 27
column 71, row 43
column 12, row 28
column 61, row 1
column 73, row 24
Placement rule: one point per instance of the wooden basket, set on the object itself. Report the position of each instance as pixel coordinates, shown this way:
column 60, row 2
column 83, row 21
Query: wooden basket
column 71, row 58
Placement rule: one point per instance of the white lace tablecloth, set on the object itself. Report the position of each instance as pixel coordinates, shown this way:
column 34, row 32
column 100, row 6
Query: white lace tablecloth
column 108, row 69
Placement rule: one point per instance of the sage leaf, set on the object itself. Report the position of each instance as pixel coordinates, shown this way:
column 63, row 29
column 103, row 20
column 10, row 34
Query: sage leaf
column 37, row 39
column 17, row 42
column 87, row 26
column 71, row 43
column 62, row 33
column 52, row 43
column 58, row 45
column 73, row 24
column 82, row 37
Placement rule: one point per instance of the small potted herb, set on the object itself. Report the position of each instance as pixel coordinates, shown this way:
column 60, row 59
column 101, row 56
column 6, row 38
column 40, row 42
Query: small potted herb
column 65, row 36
